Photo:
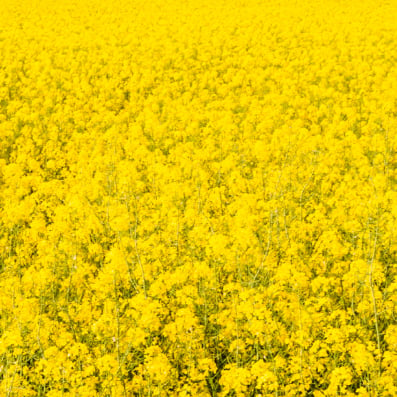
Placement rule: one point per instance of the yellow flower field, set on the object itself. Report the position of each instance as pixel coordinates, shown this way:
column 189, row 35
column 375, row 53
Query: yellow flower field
column 198, row 198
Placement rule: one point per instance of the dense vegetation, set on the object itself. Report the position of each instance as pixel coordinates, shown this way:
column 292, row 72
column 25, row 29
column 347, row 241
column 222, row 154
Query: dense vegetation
column 198, row 198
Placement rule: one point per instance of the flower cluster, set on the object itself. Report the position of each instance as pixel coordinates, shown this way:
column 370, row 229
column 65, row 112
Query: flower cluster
column 198, row 198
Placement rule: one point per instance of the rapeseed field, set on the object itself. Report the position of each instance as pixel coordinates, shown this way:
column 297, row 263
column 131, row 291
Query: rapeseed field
column 198, row 198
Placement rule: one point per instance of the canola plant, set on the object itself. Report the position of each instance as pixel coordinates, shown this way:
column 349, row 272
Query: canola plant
column 198, row 198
